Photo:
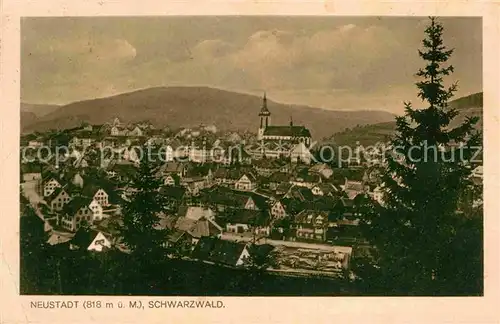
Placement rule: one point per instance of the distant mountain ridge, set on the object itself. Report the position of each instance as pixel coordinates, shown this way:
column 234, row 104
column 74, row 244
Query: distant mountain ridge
column 192, row 106
column 468, row 106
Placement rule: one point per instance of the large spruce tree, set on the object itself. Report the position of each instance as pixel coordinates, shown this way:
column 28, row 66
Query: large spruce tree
column 141, row 210
column 419, row 234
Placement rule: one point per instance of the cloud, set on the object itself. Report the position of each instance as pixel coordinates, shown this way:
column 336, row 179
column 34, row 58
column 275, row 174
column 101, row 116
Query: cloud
column 327, row 62
column 338, row 57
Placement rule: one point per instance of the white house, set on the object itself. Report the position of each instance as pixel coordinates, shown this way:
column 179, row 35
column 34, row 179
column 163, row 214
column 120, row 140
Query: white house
column 50, row 186
column 324, row 189
column 100, row 242
column 135, row 132
column 301, row 154
column 58, row 199
column 247, row 182
column 101, row 197
column 278, row 210
column 96, row 209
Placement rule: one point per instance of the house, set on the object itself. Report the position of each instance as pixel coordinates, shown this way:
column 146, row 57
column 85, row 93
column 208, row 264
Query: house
column 301, row 154
column 247, row 182
column 188, row 231
column 221, row 252
column 307, row 180
column 58, row 199
column 311, row 225
column 283, row 188
column 91, row 240
column 299, row 193
column 266, row 167
column 136, row 132
column 195, row 212
column 77, row 212
column 35, row 144
column 177, row 168
column 324, row 189
column 74, row 178
column 278, row 178
column 124, row 172
column 174, row 195
column 354, row 188
column 60, row 238
column 50, row 186
column 97, row 192
column 378, row 195
column 228, row 176
column 31, row 172
column 245, row 220
column 193, row 184
column 323, row 169
column 171, row 180
column 279, row 210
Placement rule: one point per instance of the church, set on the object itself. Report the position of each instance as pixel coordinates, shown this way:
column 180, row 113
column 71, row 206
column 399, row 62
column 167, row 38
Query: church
column 292, row 134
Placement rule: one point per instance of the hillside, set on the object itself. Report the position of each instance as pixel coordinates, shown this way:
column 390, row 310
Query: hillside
column 191, row 106
column 467, row 106
column 38, row 110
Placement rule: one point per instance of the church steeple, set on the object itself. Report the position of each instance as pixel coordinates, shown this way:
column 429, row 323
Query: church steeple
column 264, row 113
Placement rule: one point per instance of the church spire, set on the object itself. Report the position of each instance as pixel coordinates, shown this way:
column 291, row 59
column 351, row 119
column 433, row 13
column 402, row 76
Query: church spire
column 264, row 111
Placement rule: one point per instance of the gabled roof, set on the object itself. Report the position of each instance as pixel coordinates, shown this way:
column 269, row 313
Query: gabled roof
column 171, row 167
column 310, row 216
column 83, row 237
column 195, row 212
column 76, row 204
column 326, row 188
column 31, row 167
column 249, row 217
column 291, row 131
column 353, row 185
column 91, row 186
column 301, row 193
column 280, row 177
column 218, row 251
column 175, row 192
column 54, row 194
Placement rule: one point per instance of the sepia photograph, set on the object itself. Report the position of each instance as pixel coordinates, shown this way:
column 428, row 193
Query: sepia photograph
column 252, row 156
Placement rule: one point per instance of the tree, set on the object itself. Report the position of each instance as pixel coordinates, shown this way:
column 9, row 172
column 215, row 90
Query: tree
column 418, row 229
column 141, row 209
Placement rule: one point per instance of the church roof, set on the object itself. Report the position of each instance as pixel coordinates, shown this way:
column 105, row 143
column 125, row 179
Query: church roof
column 292, row 131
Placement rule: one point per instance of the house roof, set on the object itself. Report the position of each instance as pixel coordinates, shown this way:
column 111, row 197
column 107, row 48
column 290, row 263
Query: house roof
column 267, row 164
column 326, row 188
column 301, row 193
column 172, row 167
column 91, row 186
column 83, row 237
column 75, row 204
column 249, row 217
column 31, row 167
column 280, row 177
column 195, row 212
column 310, row 216
column 354, row 185
column 291, row 131
column 54, row 194
column 218, row 251
column 175, row 192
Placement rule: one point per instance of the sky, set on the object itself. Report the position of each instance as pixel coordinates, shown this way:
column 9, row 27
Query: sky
column 347, row 63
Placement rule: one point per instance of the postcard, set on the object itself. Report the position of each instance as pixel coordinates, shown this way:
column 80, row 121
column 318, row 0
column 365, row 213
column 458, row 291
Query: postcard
column 249, row 161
